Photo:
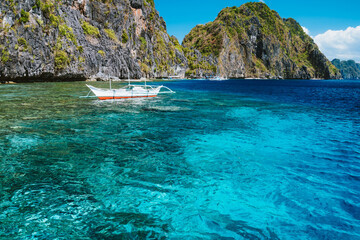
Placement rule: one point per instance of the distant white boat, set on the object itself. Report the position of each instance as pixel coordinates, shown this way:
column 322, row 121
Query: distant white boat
column 217, row 78
column 129, row 91
column 172, row 78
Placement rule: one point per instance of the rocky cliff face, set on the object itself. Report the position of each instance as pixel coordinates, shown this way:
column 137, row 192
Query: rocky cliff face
column 348, row 69
column 253, row 41
column 79, row 39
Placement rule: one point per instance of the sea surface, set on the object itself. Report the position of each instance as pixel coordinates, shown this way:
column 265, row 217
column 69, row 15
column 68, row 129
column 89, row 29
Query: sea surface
column 238, row 159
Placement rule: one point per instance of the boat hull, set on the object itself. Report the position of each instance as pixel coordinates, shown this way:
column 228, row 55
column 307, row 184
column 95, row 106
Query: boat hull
column 109, row 98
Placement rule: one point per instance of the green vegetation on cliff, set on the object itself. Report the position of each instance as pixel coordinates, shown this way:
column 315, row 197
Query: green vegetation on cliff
column 61, row 59
column 90, row 29
column 5, row 55
column 111, row 34
column 124, row 37
column 24, row 16
column 206, row 38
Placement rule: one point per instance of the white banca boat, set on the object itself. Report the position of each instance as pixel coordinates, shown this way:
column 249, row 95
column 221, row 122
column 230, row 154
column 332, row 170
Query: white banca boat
column 128, row 91
column 217, row 78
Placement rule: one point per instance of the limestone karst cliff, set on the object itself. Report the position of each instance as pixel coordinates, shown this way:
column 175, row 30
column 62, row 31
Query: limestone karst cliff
column 253, row 41
column 79, row 39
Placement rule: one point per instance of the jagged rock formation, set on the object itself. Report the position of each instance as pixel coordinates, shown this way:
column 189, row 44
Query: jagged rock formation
column 252, row 41
column 348, row 69
column 79, row 39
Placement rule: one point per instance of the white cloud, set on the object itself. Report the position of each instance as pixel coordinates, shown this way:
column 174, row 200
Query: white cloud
column 262, row 1
column 306, row 30
column 342, row 44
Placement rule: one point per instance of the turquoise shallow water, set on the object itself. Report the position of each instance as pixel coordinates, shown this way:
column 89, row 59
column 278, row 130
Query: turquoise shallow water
column 217, row 160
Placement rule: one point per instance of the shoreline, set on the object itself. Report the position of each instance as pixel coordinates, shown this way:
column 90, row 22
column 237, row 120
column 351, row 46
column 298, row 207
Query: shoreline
column 14, row 81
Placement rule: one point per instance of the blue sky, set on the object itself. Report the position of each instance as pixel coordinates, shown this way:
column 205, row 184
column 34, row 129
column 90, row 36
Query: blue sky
column 318, row 16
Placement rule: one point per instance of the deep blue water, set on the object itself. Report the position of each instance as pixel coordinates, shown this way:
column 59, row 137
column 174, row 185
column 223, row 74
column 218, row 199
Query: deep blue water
column 239, row 159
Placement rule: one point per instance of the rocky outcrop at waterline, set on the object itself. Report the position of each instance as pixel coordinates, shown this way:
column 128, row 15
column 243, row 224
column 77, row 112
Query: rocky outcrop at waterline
column 79, row 39
column 252, row 41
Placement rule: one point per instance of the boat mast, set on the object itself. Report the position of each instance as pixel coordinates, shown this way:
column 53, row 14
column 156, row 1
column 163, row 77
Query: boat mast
column 129, row 77
column 110, row 83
